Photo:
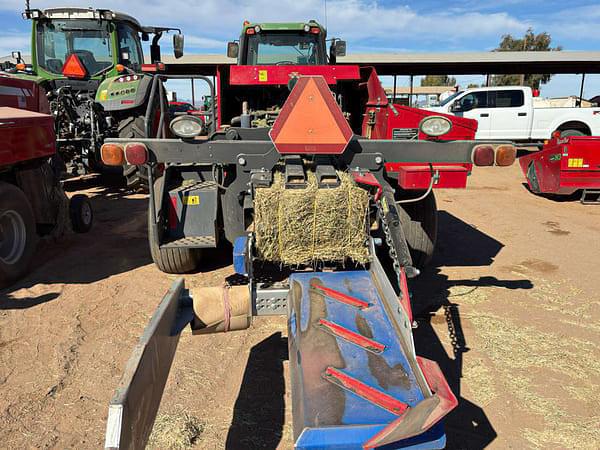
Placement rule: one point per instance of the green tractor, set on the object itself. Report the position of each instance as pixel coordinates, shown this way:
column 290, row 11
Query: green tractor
column 304, row 43
column 90, row 64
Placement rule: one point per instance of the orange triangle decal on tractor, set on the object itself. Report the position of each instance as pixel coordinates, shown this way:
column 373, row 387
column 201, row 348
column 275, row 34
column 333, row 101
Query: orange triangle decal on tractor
column 73, row 67
column 311, row 121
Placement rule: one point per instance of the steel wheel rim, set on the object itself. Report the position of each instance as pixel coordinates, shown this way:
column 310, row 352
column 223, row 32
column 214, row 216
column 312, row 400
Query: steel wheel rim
column 13, row 237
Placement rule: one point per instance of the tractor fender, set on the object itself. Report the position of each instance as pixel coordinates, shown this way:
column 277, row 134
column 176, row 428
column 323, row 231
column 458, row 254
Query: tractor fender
column 127, row 91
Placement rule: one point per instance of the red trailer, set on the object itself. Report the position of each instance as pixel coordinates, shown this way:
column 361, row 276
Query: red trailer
column 564, row 166
column 32, row 201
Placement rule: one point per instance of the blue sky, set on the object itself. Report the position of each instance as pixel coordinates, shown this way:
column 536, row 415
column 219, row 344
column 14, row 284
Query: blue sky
column 367, row 25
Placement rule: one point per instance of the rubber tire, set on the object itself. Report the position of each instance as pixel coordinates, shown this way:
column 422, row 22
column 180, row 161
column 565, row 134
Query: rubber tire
column 422, row 229
column 172, row 260
column 13, row 198
column 79, row 222
column 567, row 133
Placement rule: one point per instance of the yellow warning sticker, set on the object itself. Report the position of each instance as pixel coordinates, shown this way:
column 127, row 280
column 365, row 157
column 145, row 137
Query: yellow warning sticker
column 191, row 200
column 575, row 162
column 263, row 75
column 103, row 95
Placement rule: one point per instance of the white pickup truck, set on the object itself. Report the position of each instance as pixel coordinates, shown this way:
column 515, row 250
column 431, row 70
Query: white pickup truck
column 509, row 112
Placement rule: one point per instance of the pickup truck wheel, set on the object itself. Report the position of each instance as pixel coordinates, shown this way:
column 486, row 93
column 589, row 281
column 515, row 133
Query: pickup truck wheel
column 421, row 230
column 172, row 260
column 567, row 133
column 18, row 236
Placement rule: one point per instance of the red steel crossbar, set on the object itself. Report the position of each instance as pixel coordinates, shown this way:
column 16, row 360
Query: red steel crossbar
column 340, row 296
column 351, row 336
column 365, row 391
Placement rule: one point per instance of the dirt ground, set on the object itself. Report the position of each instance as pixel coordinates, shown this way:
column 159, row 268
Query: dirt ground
column 515, row 275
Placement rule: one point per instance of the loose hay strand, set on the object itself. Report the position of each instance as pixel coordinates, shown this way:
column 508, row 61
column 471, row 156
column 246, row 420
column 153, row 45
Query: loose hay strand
column 311, row 225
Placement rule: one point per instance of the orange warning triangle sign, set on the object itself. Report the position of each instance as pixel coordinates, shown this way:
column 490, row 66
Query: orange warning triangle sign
column 311, row 121
column 73, row 67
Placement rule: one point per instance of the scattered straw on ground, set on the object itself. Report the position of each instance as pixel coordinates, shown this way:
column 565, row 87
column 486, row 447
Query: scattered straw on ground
column 177, row 431
column 519, row 352
column 311, row 225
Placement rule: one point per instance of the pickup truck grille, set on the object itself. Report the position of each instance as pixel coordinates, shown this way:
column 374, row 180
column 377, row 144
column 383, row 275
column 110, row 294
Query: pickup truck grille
column 405, row 133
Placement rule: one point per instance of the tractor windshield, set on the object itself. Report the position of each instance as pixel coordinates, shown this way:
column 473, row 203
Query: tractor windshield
column 280, row 48
column 88, row 39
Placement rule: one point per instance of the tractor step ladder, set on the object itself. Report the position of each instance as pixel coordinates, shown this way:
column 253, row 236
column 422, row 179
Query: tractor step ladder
column 588, row 192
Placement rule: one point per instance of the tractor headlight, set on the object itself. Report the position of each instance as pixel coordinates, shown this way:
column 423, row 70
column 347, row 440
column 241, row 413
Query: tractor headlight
column 186, row 126
column 435, row 126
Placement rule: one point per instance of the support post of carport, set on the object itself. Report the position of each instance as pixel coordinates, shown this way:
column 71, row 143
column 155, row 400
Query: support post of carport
column 579, row 101
column 193, row 94
column 410, row 92
column 394, row 94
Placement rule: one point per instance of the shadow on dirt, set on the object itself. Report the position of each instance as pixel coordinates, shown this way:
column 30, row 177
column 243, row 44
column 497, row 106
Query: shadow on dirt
column 24, row 303
column 460, row 244
column 574, row 197
column 116, row 243
column 259, row 411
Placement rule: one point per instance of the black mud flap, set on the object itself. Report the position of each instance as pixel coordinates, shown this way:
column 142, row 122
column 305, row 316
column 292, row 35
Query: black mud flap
column 132, row 410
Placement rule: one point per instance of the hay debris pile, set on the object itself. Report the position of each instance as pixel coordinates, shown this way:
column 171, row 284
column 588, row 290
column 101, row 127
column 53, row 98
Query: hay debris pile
column 311, row 225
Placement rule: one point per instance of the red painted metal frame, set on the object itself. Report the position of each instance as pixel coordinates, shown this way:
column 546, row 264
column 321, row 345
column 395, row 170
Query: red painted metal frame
column 552, row 165
column 25, row 136
column 278, row 75
column 405, row 296
column 444, row 401
column 350, row 336
column 365, row 391
column 368, row 179
column 418, row 176
column 341, row 297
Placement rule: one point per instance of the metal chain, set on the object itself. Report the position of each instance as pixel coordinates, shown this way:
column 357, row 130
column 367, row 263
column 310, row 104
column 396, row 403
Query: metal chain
column 390, row 243
column 457, row 341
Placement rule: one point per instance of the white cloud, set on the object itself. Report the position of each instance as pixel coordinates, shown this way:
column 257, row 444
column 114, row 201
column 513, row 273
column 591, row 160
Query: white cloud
column 10, row 42
column 354, row 20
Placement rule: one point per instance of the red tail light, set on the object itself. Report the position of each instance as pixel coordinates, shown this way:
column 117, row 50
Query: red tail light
column 74, row 68
column 315, row 30
column 136, row 154
column 483, row 155
column 250, row 31
column 112, row 154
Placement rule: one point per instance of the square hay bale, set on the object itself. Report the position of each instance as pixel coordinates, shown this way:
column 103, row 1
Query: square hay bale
column 307, row 226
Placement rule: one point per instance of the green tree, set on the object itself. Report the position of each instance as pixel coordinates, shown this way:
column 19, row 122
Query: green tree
column 438, row 80
column 530, row 42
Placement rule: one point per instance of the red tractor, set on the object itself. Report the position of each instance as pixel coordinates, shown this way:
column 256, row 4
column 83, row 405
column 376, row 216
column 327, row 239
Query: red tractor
column 271, row 56
column 32, row 201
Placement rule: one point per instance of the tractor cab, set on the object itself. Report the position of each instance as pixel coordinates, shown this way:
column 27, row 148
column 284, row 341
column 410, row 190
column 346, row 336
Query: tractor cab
column 90, row 62
column 297, row 44
column 90, row 43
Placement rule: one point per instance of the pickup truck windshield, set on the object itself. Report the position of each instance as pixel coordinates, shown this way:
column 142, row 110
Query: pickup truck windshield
column 88, row 39
column 283, row 48
column 449, row 99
